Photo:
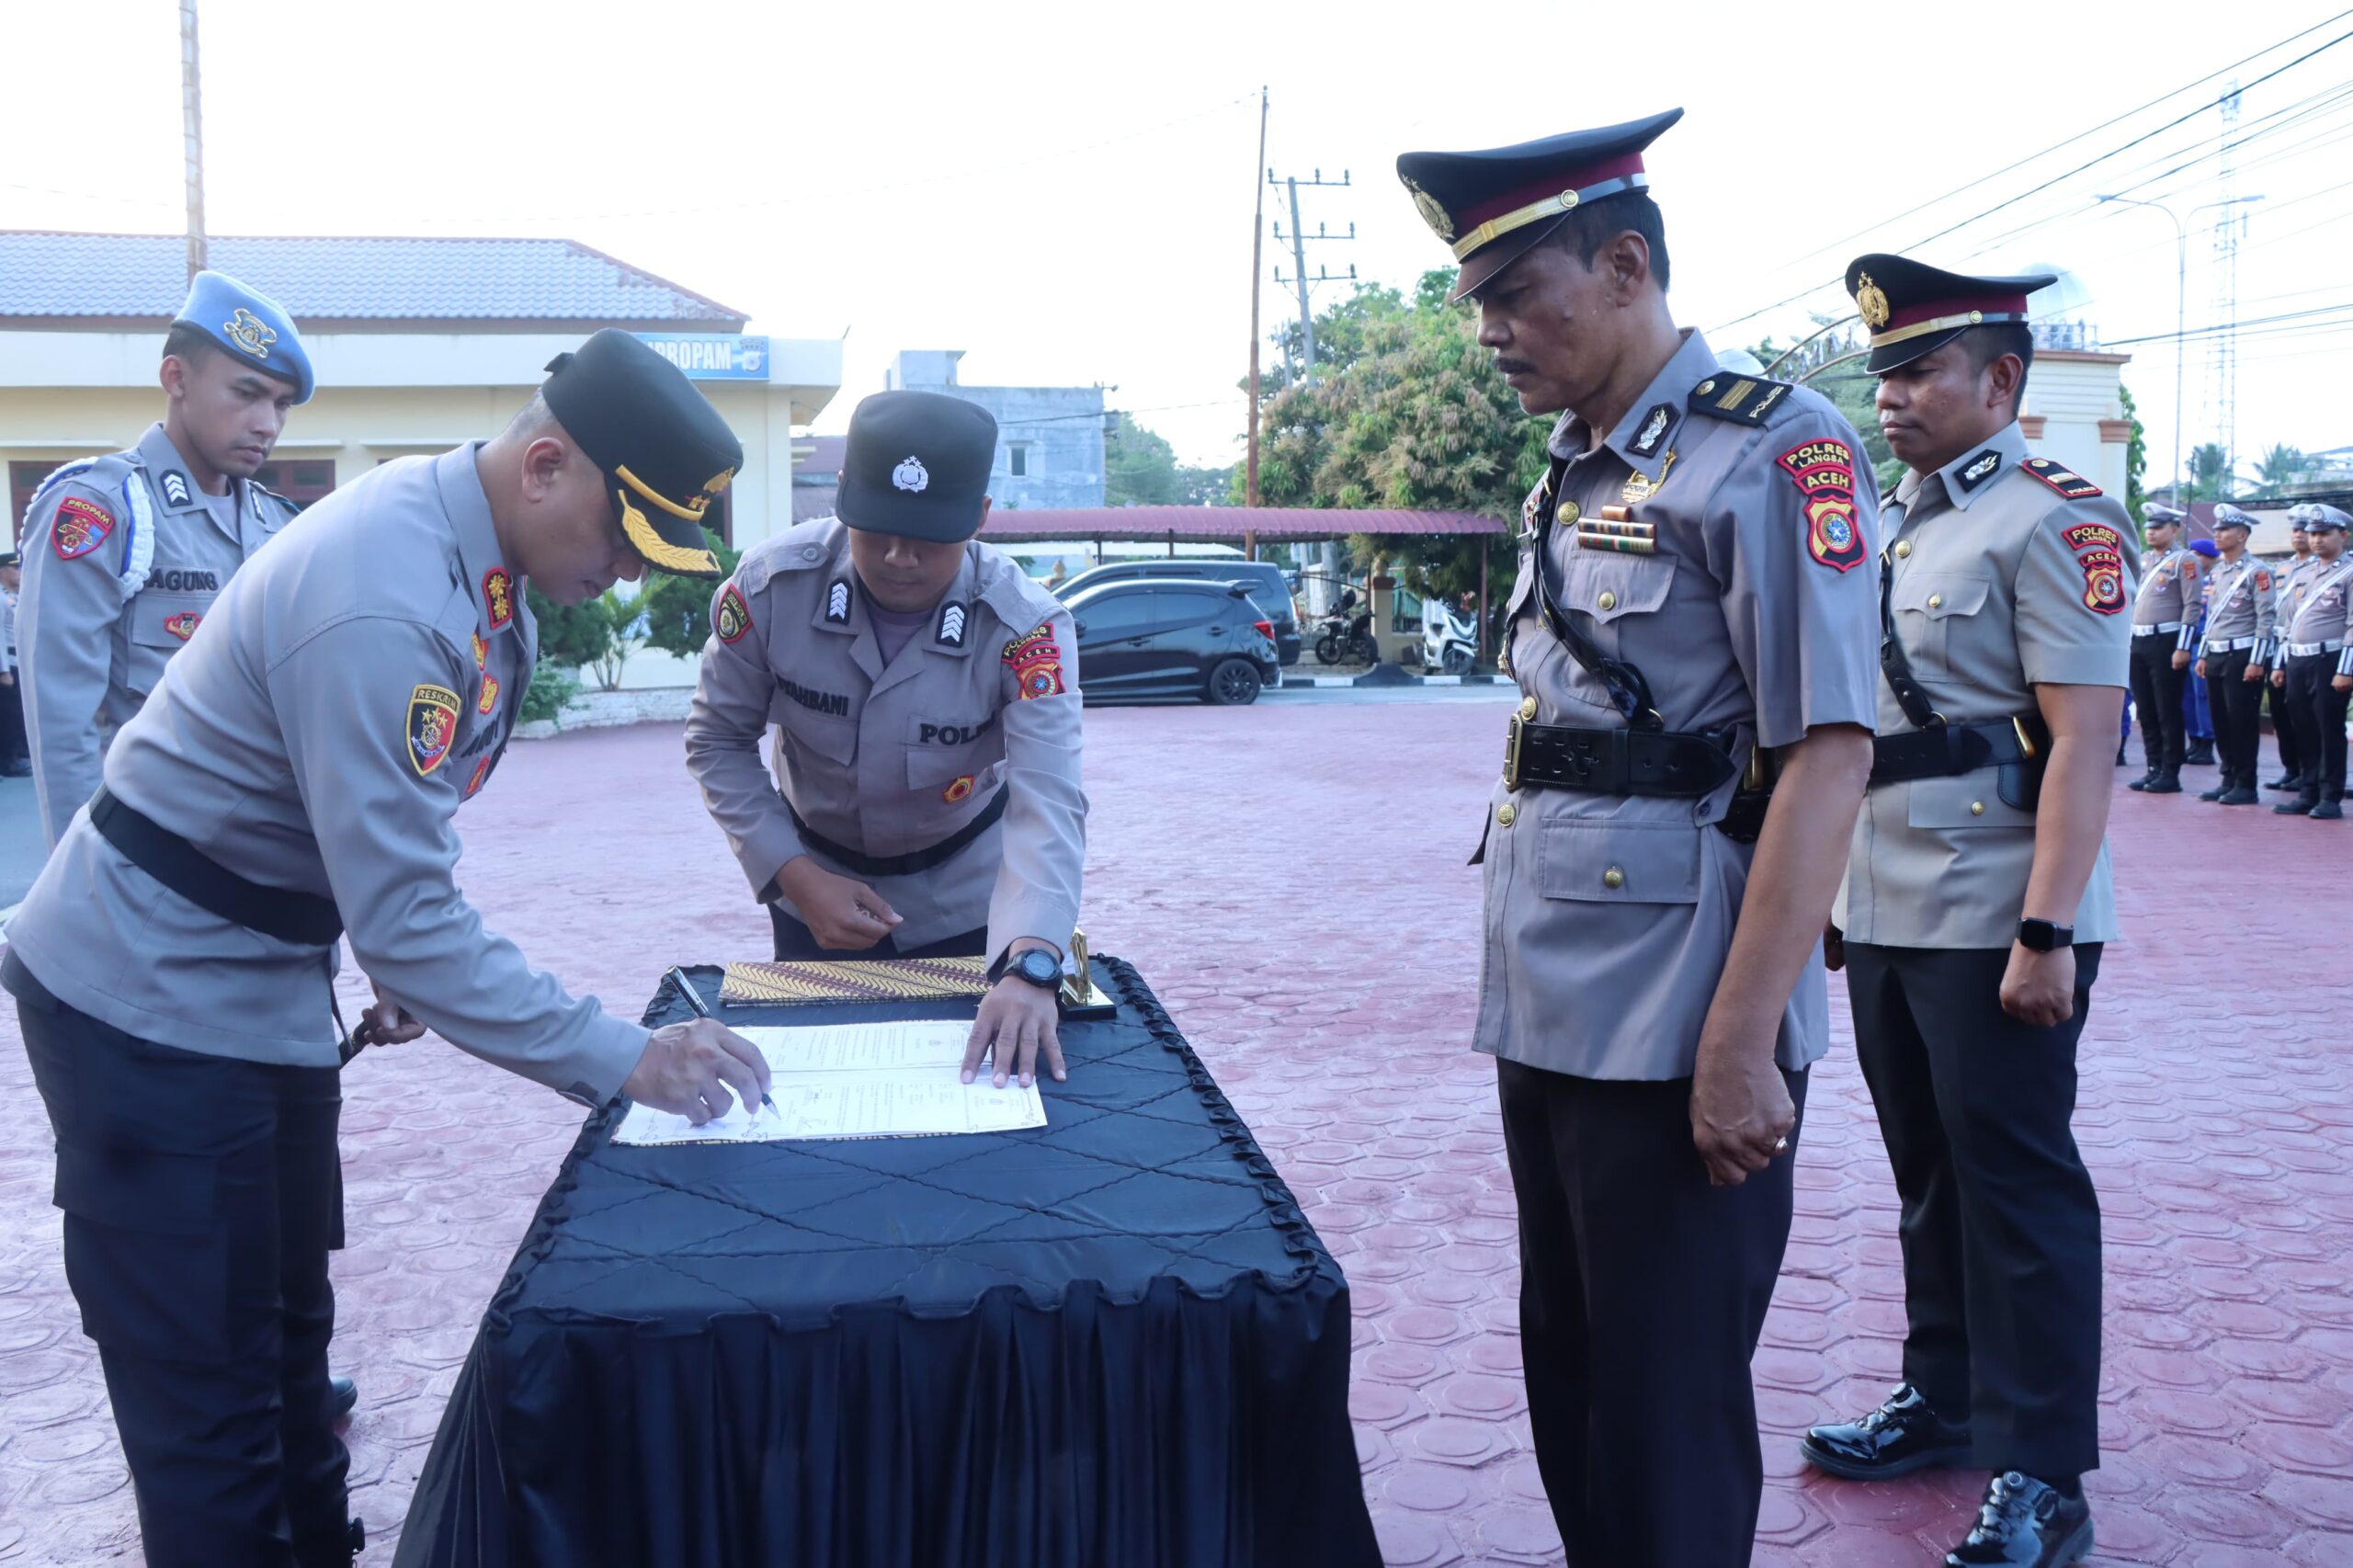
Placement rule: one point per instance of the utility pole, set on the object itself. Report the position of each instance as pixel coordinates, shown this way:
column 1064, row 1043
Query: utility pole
column 192, row 132
column 1300, row 240
column 1258, row 270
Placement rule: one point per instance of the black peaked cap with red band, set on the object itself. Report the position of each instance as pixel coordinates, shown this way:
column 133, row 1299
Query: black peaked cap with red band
column 1494, row 206
column 1911, row 308
column 665, row 451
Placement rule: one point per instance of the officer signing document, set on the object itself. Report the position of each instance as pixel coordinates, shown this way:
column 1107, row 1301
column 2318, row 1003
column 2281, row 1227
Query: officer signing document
column 294, row 777
column 925, row 696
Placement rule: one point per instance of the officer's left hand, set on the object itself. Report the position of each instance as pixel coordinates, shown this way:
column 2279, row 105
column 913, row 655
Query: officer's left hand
column 1019, row 1019
column 2181, row 658
column 2201, row 669
column 389, row 1023
column 1741, row 1112
column 2039, row 988
column 2252, row 675
column 2341, row 683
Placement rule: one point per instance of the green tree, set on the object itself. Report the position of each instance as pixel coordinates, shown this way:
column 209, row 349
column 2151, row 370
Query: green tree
column 2208, row 480
column 1139, row 467
column 2136, row 457
column 570, row 635
column 675, row 612
column 2283, row 466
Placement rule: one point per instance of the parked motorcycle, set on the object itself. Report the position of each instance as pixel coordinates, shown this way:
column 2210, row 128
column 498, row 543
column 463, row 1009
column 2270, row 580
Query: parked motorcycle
column 1450, row 641
column 1345, row 634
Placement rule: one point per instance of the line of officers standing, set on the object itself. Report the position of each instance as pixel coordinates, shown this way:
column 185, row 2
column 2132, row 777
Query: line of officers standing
column 2245, row 626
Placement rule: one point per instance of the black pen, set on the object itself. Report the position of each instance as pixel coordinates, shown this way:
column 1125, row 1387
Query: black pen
column 694, row 999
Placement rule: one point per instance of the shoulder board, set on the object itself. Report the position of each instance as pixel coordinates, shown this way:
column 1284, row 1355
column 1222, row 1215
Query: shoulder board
column 1745, row 400
column 2073, row 485
column 1020, row 599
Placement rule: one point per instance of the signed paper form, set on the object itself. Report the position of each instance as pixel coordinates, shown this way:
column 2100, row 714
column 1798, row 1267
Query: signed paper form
column 893, row 1080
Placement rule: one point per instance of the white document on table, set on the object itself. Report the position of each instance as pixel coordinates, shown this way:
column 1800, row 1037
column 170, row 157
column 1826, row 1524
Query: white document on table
column 889, row 1079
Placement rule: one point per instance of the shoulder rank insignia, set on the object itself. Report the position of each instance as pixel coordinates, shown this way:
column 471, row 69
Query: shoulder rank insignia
column 432, row 725
column 732, row 617
column 498, row 597
column 2073, row 486
column 837, row 602
column 951, row 625
column 1745, row 400
column 175, row 490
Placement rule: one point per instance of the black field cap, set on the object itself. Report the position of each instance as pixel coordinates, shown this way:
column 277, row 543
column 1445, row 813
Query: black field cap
column 1495, row 206
column 1913, row 308
column 664, row 450
column 916, row 464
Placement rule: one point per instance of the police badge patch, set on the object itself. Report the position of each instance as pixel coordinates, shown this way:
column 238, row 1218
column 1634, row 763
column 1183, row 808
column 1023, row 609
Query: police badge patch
column 481, row 771
column 79, row 527
column 432, row 725
column 1824, row 472
column 2103, row 580
column 733, row 617
column 498, row 597
column 182, row 625
column 1036, row 661
column 959, row 791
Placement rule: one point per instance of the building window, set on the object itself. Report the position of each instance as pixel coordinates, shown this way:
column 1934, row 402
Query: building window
column 300, row 482
column 1017, row 459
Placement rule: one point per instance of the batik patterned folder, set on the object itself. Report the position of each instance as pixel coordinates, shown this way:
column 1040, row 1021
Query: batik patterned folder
column 855, row 980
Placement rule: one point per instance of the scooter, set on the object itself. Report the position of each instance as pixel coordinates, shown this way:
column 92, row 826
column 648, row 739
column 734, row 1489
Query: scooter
column 1449, row 642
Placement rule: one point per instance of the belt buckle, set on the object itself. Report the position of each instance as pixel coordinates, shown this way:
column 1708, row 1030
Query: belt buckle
column 2026, row 743
column 1511, row 752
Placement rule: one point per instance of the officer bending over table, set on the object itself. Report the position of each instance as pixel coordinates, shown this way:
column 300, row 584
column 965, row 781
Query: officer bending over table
column 294, row 776
column 924, row 696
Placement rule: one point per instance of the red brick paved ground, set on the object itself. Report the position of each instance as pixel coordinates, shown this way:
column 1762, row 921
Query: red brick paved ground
column 1331, row 991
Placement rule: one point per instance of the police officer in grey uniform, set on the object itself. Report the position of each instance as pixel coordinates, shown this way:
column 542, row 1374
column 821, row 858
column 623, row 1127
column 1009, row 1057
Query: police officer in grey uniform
column 925, row 696
column 294, row 777
column 2291, row 578
column 1694, row 611
column 1978, row 895
column 2314, row 667
column 2232, row 657
column 2165, row 631
column 15, row 761
column 137, row 545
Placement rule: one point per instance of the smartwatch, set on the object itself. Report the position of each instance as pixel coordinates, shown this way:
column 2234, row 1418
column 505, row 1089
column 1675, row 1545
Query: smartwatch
column 2042, row 937
column 1036, row 965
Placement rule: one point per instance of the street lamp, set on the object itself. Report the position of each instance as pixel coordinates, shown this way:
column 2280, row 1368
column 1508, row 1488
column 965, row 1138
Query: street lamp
column 2180, row 306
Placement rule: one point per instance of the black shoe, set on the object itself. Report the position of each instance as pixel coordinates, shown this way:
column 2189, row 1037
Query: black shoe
column 2217, row 792
column 2286, row 781
column 1899, row 1437
column 2025, row 1524
column 2328, row 811
column 358, row 1539
column 2302, row 806
column 2144, row 780
column 2238, row 795
column 20, row 769
column 2166, row 783
column 342, row 1395
column 2199, row 754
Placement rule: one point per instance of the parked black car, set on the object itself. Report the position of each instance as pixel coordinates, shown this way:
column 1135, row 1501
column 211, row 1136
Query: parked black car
column 1149, row 637
column 1269, row 588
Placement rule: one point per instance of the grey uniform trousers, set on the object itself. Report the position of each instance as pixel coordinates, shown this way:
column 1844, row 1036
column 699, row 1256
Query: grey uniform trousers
column 2000, row 1224
column 1642, row 1292
column 202, row 1197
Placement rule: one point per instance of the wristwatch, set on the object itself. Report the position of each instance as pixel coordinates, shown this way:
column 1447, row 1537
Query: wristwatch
column 2042, row 937
column 1036, row 965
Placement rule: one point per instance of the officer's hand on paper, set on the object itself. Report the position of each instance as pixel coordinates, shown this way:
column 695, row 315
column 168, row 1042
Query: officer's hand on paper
column 688, row 1070
column 386, row 1022
column 2039, row 988
column 840, row 912
column 1020, row 1020
column 1740, row 1109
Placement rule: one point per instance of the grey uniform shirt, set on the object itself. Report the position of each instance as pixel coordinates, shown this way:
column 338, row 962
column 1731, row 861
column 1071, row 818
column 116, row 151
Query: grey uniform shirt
column 2005, row 572
column 123, row 557
column 2321, row 605
column 2241, row 601
column 350, row 689
column 2170, row 596
column 1607, row 919
column 885, row 759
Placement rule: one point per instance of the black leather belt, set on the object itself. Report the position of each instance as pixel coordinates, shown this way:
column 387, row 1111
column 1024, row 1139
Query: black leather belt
column 1947, row 751
column 914, row 861
column 298, row 917
column 1614, row 762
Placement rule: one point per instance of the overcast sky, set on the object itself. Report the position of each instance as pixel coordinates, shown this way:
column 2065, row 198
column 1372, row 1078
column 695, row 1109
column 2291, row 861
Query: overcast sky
column 1065, row 191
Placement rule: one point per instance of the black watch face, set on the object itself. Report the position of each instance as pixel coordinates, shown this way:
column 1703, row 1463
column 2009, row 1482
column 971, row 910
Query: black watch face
column 1038, row 968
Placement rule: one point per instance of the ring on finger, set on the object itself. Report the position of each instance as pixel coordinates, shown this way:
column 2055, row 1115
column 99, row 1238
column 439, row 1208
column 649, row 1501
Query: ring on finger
column 1781, row 1145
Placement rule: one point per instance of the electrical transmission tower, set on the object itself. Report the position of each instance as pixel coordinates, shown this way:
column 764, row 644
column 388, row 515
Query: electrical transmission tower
column 2230, row 222
column 1300, row 240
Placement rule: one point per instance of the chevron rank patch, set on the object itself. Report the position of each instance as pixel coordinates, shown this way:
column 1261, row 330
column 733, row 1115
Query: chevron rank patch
column 952, row 617
column 432, row 725
column 837, row 602
column 2073, row 485
column 79, row 527
column 1824, row 472
column 1745, row 400
column 732, row 617
column 175, row 490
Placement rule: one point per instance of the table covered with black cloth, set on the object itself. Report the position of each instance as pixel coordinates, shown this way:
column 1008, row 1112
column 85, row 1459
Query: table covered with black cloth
column 1112, row 1342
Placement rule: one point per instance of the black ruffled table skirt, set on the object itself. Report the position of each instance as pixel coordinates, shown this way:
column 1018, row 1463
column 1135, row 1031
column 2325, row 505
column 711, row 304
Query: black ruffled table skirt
column 1113, row 1342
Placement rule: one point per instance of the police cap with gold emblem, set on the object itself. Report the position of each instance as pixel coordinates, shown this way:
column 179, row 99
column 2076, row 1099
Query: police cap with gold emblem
column 665, row 451
column 1911, row 308
column 250, row 327
column 1495, row 205
column 916, row 464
